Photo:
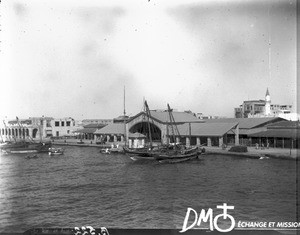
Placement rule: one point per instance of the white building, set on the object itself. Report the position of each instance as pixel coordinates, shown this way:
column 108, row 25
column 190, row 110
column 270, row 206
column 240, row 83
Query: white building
column 37, row 128
column 263, row 108
column 62, row 127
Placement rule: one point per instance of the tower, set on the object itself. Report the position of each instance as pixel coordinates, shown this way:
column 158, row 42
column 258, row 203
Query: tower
column 268, row 103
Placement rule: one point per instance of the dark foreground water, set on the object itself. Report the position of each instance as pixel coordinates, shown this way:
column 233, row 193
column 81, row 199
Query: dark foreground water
column 84, row 187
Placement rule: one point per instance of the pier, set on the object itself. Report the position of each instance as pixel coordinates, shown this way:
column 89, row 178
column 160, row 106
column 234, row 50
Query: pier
column 279, row 153
column 289, row 154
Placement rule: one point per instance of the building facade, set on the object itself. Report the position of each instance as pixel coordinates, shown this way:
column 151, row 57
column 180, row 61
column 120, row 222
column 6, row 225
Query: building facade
column 262, row 108
column 36, row 128
column 96, row 121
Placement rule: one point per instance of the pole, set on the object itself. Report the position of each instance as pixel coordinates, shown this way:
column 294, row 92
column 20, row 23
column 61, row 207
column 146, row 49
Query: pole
column 148, row 121
column 125, row 136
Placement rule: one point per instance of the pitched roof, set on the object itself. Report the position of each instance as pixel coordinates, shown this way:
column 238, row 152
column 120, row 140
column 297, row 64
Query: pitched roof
column 112, row 128
column 279, row 133
column 163, row 116
column 86, row 130
column 284, row 124
column 246, row 123
column 96, row 125
column 205, row 129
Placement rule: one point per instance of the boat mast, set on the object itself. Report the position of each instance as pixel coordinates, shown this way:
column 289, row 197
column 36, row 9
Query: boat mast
column 148, row 121
column 124, row 119
column 172, row 123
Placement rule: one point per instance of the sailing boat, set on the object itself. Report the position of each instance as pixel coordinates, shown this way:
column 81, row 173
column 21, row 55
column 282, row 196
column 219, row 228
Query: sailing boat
column 178, row 153
column 146, row 153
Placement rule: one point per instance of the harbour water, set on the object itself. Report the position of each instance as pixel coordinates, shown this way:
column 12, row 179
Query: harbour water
column 85, row 187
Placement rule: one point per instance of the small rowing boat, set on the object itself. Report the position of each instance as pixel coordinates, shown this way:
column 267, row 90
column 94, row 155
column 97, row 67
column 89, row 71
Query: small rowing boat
column 56, row 151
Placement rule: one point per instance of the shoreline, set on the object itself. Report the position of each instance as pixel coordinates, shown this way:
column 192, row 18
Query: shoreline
column 285, row 154
column 277, row 153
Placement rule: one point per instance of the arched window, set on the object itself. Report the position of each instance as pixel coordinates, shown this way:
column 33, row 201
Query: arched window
column 34, row 131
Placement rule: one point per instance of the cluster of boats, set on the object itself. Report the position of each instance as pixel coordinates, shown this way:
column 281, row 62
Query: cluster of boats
column 170, row 153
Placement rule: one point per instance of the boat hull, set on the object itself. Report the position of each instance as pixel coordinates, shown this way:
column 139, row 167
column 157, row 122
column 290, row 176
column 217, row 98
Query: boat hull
column 177, row 160
column 139, row 154
column 176, row 157
column 26, row 148
column 136, row 157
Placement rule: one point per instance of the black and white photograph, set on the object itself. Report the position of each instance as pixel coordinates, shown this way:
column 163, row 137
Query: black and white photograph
column 149, row 117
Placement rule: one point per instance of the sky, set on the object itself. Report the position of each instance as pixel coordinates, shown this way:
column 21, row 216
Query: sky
column 74, row 58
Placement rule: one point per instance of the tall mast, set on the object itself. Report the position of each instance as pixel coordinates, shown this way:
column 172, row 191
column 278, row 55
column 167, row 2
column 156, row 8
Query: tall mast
column 124, row 102
column 269, row 44
column 124, row 119
column 148, row 117
column 173, row 124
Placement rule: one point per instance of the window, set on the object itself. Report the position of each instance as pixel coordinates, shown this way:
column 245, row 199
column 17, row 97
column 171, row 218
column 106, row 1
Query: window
column 62, row 123
column 68, row 131
column 56, row 123
column 68, row 123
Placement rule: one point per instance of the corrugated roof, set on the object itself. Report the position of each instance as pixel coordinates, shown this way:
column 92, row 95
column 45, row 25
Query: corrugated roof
column 246, row 123
column 112, row 128
column 86, row 130
column 205, row 129
column 163, row 116
column 178, row 116
column 284, row 124
column 279, row 133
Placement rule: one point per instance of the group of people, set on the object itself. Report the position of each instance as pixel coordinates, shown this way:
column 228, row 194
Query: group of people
column 89, row 230
column 262, row 146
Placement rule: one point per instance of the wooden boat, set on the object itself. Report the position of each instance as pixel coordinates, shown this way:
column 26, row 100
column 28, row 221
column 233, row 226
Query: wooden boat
column 55, row 151
column 105, row 150
column 179, row 153
column 145, row 153
column 190, row 154
column 141, row 153
column 26, row 147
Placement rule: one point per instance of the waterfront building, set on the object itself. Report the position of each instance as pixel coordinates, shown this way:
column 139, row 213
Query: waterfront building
column 283, row 134
column 62, row 127
column 192, row 130
column 37, row 128
column 121, row 119
column 247, row 126
column 87, row 132
column 86, row 122
column 262, row 108
column 30, row 128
